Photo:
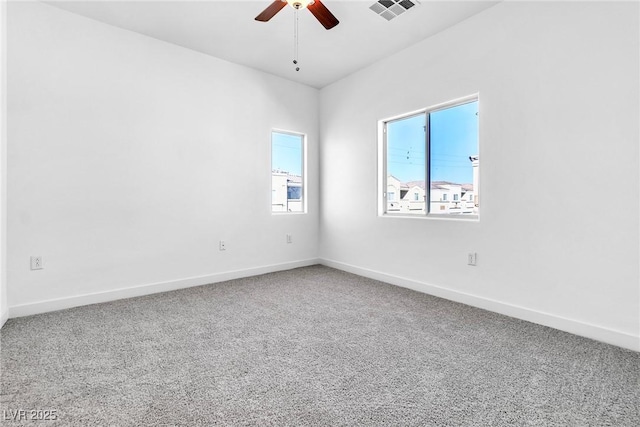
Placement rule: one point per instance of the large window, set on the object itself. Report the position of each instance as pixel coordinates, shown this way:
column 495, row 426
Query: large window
column 287, row 172
column 430, row 160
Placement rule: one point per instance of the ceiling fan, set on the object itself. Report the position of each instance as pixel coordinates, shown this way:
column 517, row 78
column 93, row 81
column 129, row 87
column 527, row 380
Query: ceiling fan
column 316, row 7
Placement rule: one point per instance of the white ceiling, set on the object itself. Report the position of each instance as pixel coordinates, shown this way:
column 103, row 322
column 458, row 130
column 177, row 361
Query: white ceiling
column 227, row 30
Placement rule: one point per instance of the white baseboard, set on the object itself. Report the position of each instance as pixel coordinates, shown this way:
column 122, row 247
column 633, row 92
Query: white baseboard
column 152, row 288
column 4, row 316
column 595, row 332
column 599, row 333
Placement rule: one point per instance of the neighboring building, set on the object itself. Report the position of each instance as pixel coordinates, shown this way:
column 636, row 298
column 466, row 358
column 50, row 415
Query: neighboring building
column 415, row 196
column 396, row 192
column 446, row 197
column 452, row 198
column 286, row 192
column 475, row 163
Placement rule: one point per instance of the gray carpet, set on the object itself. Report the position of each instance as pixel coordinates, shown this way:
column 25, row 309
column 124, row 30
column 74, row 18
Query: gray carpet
column 311, row 346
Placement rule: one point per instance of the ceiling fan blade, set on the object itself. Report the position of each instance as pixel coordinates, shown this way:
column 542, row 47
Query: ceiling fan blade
column 323, row 15
column 271, row 10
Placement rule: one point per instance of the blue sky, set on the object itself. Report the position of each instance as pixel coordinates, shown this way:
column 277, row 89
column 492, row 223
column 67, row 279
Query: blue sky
column 454, row 137
column 286, row 152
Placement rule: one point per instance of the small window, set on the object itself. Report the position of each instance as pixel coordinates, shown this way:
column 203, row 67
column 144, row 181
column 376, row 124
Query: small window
column 391, row 196
column 287, row 172
column 435, row 150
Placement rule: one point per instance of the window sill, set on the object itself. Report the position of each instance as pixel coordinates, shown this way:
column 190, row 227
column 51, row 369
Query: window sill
column 436, row 217
column 287, row 213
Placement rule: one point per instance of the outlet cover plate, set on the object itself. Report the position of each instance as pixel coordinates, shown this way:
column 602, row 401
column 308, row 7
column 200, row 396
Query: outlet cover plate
column 36, row 263
column 472, row 258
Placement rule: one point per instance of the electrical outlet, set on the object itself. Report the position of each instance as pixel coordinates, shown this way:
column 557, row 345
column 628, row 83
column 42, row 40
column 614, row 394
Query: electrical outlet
column 472, row 258
column 36, row 263
column 289, row 238
column 223, row 245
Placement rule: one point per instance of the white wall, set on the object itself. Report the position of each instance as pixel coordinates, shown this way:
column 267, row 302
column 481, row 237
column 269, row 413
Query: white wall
column 559, row 108
column 4, row 307
column 130, row 158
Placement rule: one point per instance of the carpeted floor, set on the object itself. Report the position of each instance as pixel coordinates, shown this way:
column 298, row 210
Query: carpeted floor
column 311, row 346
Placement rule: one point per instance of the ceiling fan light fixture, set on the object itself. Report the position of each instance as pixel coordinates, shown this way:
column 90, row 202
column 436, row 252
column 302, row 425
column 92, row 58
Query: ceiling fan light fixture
column 300, row 4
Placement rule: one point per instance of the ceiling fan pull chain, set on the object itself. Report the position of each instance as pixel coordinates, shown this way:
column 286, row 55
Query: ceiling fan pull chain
column 295, row 39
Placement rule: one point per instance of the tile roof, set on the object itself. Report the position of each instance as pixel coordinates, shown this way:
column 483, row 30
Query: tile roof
column 439, row 185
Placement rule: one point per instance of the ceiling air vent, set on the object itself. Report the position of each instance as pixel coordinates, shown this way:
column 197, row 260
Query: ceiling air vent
column 389, row 9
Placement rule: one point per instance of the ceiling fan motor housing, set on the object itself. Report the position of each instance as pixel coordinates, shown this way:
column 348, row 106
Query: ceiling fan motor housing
column 299, row 4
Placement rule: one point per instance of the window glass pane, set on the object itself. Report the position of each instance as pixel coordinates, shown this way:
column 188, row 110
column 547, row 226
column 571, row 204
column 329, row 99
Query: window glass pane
column 406, row 165
column 287, row 159
column 453, row 137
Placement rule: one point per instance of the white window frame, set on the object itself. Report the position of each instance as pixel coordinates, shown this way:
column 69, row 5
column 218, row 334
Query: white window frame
column 382, row 163
column 303, row 192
